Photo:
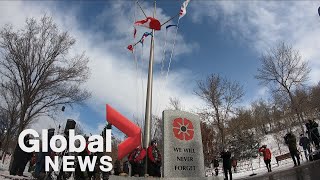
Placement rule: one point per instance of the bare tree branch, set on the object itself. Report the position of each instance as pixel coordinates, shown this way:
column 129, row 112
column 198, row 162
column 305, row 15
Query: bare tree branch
column 221, row 96
column 37, row 69
column 284, row 68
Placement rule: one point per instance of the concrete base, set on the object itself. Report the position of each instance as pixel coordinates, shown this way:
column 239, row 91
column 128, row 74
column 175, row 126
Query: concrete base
column 153, row 178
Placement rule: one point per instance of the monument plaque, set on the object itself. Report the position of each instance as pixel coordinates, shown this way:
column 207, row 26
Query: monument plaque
column 182, row 145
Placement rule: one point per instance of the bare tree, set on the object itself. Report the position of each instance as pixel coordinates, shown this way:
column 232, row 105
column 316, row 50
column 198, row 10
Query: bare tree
column 242, row 121
column 209, row 142
column 156, row 128
column 9, row 114
column 175, row 103
column 261, row 115
column 315, row 100
column 36, row 65
column 221, row 95
column 38, row 70
column 283, row 67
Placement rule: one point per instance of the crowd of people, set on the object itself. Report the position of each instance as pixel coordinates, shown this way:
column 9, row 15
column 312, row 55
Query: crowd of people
column 305, row 141
column 137, row 160
column 139, row 156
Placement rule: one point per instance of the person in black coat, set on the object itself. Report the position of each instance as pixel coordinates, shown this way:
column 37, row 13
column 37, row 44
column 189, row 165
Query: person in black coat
column 313, row 132
column 21, row 158
column 226, row 159
column 39, row 169
column 290, row 140
column 117, row 167
column 305, row 143
column 216, row 165
column 125, row 167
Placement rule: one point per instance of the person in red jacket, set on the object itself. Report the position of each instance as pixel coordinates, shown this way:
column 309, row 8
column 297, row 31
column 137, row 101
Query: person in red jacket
column 136, row 159
column 154, row 160
column 266, row 156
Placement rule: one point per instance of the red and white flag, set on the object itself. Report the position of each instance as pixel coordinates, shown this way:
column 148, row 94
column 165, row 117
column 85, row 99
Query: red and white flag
column 183, row 10
column 150, row 23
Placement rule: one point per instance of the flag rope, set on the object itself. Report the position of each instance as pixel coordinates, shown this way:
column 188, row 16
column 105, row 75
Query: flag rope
column 172, row 51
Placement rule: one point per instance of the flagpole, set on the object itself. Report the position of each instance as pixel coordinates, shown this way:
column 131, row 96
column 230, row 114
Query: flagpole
column 148, row 114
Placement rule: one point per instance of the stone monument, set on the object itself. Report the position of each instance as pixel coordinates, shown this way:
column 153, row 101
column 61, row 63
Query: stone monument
column 182, row 145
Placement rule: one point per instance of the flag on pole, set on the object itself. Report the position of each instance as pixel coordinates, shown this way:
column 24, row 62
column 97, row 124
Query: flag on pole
column 150, row 23
column 172, row 25
column 183, row 9
column 134, row 32
column 146, row 34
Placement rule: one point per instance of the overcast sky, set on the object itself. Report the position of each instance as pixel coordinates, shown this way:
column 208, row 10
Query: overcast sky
column 223, row 37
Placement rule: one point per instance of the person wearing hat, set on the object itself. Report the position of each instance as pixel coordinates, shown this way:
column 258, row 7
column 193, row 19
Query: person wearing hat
column 154, row 159
column 266, row 156
column 21, row 158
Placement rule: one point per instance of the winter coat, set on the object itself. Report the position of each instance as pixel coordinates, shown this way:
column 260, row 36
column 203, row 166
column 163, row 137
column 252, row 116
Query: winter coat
column 126, row 167
column 226, row 159
column 290, row 140
column 215, row 163
column 304, row 142
column 117, row 167
column 266, row 153
column 312, row 129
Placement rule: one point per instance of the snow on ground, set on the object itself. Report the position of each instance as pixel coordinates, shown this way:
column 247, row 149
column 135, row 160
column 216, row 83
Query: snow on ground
column 244, row 168
column 6, row 163
column 247, row 170
column 4, row 173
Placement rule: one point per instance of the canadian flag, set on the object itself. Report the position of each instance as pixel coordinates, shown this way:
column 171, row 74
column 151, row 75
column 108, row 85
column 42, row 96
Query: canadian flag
column 150, row 23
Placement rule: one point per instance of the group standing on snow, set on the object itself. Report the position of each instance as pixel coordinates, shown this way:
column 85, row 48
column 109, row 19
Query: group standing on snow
column 311, row 138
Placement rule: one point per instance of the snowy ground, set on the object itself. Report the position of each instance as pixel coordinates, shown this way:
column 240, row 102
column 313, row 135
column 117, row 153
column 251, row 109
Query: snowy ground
column 263, row 170
column 244, row 168
column 245, row 172
column 283, row 165
column 5, row 175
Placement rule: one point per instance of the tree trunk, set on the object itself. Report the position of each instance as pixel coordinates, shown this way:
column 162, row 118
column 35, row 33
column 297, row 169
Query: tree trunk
column 294, row 107
column 20, row 129
column 13, row 153
column 5, row 149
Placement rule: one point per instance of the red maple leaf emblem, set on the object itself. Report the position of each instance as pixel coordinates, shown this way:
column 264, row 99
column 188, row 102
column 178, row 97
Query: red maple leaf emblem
column 183, row 129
